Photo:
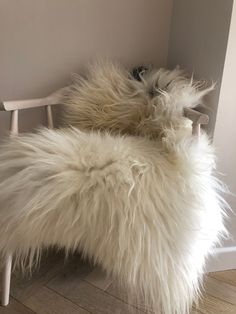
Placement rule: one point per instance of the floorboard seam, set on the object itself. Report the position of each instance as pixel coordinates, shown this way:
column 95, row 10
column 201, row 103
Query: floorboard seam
column 64, row 297
column 24, row 305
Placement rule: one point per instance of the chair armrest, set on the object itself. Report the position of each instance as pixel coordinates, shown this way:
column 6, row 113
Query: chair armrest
column 53, row 99
column 195, row 116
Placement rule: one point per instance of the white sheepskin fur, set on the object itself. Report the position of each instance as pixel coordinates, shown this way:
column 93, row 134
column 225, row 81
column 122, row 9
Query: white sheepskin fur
column 144, row 207
column 110, row 99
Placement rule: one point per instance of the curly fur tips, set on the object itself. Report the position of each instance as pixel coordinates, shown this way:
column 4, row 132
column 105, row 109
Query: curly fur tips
column 145, row 207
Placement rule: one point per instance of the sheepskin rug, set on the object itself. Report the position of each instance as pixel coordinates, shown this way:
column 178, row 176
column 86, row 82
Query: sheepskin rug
column 127, row 184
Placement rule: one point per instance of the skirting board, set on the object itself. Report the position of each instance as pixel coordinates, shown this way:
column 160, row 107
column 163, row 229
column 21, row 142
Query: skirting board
column 223, row 259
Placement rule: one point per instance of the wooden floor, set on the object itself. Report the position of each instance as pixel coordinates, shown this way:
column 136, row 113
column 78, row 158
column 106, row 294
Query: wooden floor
column 75, row 287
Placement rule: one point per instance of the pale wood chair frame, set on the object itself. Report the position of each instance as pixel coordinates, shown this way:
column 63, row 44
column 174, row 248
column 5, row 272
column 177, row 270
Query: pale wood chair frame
column 196, row 117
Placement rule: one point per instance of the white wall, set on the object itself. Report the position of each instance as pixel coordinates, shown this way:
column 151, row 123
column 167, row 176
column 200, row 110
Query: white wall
column 43, row 42
column 198, row 40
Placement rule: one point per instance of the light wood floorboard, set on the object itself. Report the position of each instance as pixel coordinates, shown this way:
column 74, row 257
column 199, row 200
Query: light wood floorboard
column 74, row 286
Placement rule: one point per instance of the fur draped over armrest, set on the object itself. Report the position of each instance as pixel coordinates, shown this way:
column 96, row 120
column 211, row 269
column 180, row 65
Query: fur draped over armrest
column 109, row 98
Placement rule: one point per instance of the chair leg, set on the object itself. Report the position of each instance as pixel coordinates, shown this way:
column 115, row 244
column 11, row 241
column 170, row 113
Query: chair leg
column 6, row 280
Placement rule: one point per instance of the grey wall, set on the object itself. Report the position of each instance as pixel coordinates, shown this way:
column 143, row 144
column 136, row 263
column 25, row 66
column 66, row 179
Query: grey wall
column 225, row 129
column 203, row 41
column 198, row 41
column 43, row 42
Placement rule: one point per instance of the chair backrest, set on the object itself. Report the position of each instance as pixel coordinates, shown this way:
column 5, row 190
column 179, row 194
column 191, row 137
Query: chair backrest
column 196, row 117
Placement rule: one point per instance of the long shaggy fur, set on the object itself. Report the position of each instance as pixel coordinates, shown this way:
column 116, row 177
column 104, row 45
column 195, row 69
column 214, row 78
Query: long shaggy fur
column 144, row 207
column 109, row 98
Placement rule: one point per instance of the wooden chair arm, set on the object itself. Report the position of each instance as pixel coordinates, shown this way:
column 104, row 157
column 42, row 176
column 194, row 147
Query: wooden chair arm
column 195, row 116
column 53, row 99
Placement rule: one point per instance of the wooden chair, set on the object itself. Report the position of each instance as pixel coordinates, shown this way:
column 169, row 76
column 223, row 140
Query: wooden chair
column 197, row 119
